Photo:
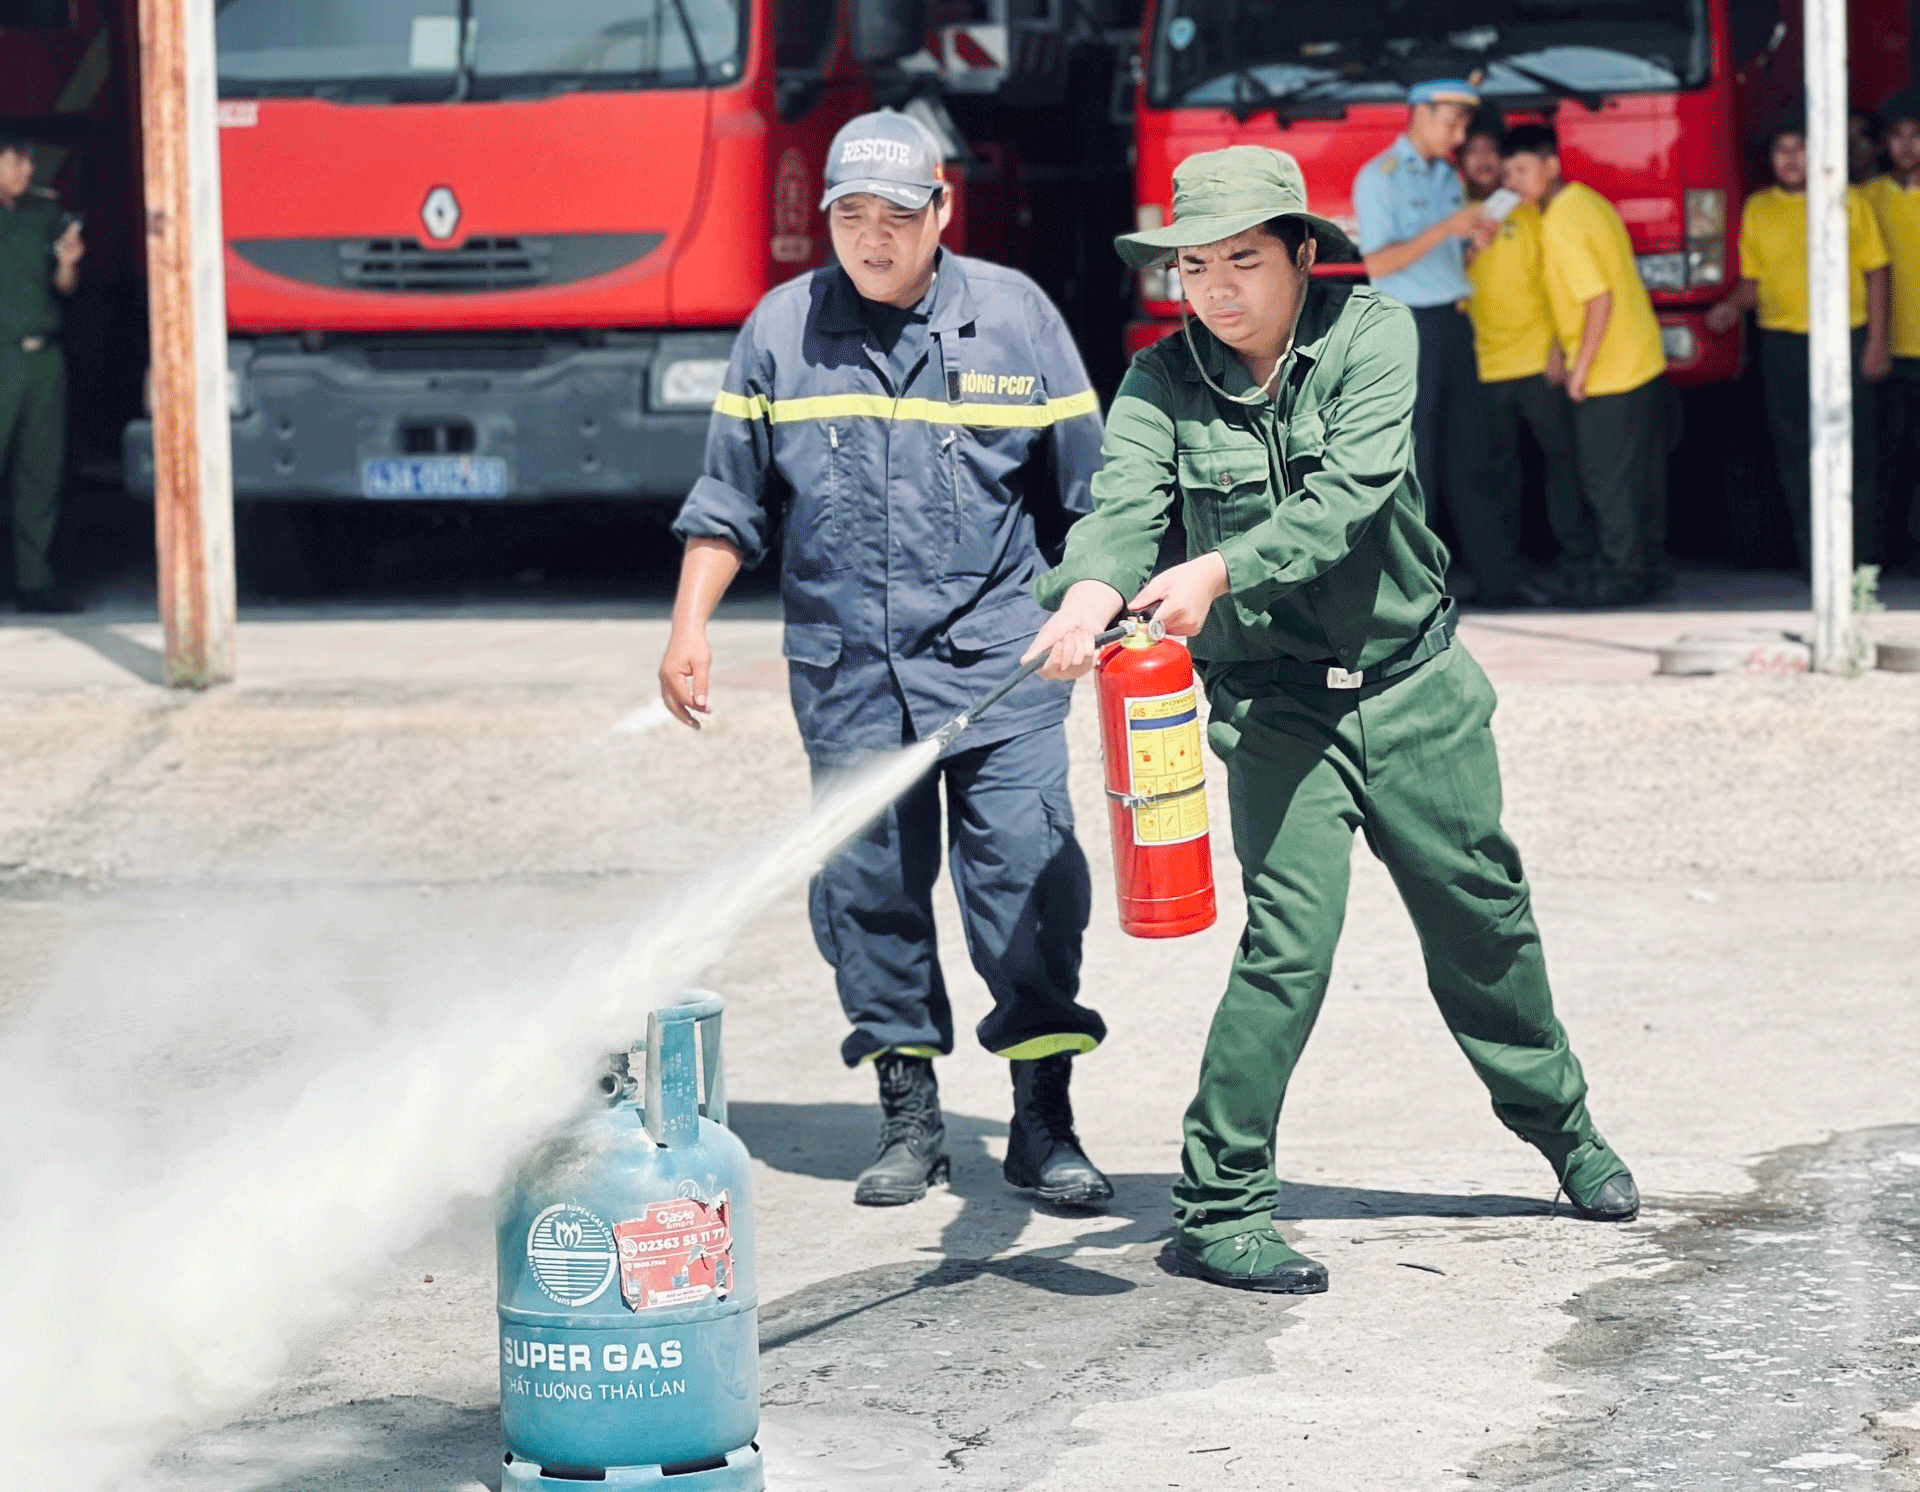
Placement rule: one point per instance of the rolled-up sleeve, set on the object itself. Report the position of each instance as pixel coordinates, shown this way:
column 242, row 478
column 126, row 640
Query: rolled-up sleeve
column 1135, row 485
column 1368, row 453
column 730, row 499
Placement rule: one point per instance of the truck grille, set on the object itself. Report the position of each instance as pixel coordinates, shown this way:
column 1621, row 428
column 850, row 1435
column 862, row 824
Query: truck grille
column 480, row 266
column 403, row 266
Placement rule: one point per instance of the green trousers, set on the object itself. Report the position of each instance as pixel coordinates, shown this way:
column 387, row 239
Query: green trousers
column 33, row 454
column 1620, row 443
column 1545, row 410
column 1784, row 375
column 1409, row 763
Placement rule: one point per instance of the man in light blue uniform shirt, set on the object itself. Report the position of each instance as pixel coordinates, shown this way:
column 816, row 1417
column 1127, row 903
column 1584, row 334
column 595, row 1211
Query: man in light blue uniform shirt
column 1415, row 223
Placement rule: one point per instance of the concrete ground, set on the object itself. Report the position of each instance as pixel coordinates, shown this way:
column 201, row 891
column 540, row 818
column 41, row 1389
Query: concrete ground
column 388, row 803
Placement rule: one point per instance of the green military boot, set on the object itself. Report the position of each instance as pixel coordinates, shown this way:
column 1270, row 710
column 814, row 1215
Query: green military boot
column 1598, row 1184
column 1260, row 1260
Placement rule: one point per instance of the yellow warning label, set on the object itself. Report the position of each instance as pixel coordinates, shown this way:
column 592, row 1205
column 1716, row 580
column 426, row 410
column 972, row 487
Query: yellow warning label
column 1165, row 766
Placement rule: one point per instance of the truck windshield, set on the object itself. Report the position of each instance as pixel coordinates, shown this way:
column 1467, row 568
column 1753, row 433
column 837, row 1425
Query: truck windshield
column 1315, row 54
column 447, row 49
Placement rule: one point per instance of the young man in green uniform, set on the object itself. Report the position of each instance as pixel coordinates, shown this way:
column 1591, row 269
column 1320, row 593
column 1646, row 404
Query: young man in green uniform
column 1339, row 701
column 40, row 251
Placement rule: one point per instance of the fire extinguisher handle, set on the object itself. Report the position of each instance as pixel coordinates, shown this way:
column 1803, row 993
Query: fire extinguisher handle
column 949, row 732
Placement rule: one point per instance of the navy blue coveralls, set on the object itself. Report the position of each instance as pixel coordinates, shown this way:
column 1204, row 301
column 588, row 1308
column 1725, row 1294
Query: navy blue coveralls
column 911, row 481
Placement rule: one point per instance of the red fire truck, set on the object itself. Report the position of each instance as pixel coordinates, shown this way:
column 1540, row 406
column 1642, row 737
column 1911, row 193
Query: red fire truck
column 1656, row 103
column 499, row 249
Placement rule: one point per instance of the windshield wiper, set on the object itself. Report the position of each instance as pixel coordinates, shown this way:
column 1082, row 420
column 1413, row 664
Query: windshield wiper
column 693, row 43
column 1251, row 96
column 1558, row 87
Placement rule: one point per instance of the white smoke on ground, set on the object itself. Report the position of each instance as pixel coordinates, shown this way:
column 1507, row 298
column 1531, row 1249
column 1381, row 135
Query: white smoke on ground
column 158, row 1269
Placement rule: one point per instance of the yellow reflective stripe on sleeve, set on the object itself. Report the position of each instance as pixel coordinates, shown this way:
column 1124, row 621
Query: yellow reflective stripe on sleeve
column 739, row 406
column 924, row 411
column 1074, row 405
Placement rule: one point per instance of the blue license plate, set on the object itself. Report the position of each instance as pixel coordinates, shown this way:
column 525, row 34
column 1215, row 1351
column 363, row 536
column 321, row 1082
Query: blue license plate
column 434, row 476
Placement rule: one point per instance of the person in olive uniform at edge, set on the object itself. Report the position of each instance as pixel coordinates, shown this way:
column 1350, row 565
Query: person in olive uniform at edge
column 1338, row 698
column 1415, row 224
column 40, row 251
column 913, row 413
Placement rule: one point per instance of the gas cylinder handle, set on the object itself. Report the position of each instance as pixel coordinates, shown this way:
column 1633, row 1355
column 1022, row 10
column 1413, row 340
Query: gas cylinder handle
column 674, row 1066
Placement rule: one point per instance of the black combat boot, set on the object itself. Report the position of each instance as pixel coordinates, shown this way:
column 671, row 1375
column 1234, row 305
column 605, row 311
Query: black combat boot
column 913, row 1137
column 1043, row 1153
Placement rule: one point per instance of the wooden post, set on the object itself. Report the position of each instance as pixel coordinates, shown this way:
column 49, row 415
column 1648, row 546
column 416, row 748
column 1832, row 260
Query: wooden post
column 1829, row 342
column 186, row 286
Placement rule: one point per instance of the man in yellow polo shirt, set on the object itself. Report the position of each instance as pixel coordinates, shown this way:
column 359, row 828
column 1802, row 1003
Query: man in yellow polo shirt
column 1521, row 366
column 1773, row 279
column 1895, row 199
column 1607, row 334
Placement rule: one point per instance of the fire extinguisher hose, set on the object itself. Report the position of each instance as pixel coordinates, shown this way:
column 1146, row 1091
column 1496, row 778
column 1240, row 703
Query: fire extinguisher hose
column 950, row 732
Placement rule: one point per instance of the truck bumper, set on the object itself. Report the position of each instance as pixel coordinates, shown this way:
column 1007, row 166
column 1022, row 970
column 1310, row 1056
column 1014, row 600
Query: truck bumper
column 533, row 420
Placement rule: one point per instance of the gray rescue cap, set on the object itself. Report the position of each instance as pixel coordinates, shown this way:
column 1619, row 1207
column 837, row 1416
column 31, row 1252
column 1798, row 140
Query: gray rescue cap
column 888, row 154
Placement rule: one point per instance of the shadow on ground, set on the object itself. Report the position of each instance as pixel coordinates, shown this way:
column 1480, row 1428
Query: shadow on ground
column 976, row 1359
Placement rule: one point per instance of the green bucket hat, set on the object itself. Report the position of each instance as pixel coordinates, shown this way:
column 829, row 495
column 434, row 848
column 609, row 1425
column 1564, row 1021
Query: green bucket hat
column 1219, row 193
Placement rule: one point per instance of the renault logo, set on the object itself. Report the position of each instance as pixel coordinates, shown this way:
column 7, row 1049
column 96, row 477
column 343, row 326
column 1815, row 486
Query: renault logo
column 440, row 212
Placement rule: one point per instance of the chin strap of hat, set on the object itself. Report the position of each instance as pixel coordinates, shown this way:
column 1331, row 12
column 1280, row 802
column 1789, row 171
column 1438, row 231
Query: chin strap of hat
column 1265, row 391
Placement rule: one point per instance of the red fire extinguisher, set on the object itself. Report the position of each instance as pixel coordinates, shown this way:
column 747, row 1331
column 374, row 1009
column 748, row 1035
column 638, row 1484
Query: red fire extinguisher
column 1156, row 785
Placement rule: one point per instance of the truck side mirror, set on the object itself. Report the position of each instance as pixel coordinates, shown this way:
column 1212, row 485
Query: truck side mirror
column 1754, row 31
column 887, row 30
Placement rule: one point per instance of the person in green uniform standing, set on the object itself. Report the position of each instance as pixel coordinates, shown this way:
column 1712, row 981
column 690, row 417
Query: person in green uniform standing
column 1339, row 700
column 40, row 249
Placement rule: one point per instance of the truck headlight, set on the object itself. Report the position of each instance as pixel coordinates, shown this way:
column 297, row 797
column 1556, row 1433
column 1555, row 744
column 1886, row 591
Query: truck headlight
column 1678, row 343
column 690, row 383
column 1706, row 236
column 239, row 378
column 1162, row 282
column 1662, row 271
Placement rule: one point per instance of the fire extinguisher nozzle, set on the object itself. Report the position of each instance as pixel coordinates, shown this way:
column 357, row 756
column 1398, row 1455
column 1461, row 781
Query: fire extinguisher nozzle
column 950, row 732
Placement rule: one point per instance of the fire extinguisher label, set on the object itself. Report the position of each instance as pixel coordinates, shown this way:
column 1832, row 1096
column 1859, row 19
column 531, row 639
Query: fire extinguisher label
column 676, row 1252
column 1167, row 772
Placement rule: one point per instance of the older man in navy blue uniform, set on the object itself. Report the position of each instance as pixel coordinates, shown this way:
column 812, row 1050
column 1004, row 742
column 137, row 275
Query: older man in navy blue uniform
column 920, row 420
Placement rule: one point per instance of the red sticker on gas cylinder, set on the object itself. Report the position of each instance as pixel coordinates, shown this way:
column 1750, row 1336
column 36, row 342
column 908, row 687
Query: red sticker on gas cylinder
column 676, row 1252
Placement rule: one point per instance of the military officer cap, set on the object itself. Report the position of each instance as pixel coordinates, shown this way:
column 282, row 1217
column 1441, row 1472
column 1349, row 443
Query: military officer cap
column 1445, row 91
column 1220, row 193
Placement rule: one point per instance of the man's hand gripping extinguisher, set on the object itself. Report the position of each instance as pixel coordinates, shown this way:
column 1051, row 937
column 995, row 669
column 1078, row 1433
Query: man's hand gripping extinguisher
column 1155, row 776
column 1156, row 784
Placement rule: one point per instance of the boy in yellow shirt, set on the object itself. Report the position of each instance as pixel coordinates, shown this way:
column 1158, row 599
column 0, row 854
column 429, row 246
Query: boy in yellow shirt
column 1895, row 199
column 1773, row 280
column 1521, row 366
column 1614, row 366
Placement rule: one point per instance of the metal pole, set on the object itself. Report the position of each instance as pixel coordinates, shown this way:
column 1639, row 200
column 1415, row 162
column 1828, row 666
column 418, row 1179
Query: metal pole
column 1829, row 341
column 186, row 286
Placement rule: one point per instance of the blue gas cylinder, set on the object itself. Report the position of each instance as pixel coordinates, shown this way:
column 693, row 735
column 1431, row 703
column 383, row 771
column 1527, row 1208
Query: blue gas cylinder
column 629, row 1320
